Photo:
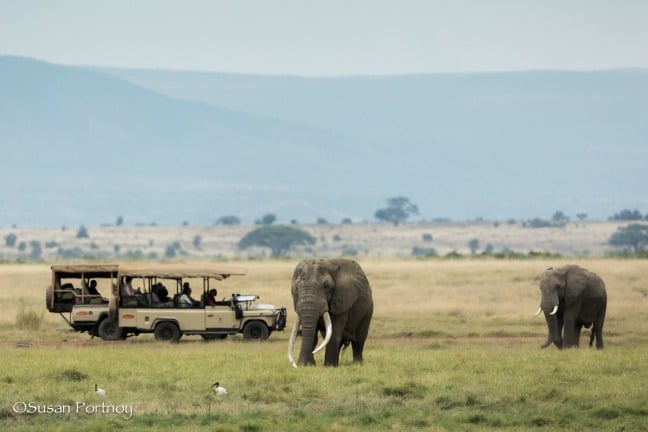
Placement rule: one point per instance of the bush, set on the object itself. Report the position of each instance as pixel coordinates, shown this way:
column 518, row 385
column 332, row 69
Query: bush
column 228, row 220
column 82, row 232
column 29, row 319
column 538, row 223
column 627, row 215
column 10, row 240
column 420, row 251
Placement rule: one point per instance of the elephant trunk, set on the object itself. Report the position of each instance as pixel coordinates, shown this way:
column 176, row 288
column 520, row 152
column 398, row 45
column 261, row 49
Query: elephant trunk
column 293, row 336
column 309, row 336
column 552, row 327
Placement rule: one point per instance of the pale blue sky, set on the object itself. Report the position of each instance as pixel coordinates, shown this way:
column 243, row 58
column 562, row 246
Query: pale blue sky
column 319, row 38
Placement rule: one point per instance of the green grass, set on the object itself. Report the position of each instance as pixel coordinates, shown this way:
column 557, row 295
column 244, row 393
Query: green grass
column 403, row 384
column 453, row 346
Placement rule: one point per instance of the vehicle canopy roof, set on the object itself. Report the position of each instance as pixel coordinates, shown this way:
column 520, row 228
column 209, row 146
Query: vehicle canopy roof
column 160, row 270
column 180, row 271
column 87, row 270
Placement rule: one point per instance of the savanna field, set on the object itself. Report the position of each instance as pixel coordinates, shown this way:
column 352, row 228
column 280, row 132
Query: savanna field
column 453, row 345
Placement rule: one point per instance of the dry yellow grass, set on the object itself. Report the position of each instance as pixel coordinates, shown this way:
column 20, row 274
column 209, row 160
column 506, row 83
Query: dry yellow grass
column 448, row 298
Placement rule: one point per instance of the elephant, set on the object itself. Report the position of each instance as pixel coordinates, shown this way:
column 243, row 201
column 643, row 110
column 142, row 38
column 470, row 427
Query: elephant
column 335, row 295
column 573, row 298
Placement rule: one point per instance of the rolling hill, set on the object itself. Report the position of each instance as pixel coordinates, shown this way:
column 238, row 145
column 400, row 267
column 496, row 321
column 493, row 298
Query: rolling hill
column 83, row 145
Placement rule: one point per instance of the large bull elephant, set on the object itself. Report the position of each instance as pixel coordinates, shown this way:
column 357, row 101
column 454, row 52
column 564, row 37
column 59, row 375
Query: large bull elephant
column 572, row 298
column 335, row 295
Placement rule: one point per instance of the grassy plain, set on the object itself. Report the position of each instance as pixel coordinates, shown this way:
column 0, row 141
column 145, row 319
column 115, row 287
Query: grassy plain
column 453, row 346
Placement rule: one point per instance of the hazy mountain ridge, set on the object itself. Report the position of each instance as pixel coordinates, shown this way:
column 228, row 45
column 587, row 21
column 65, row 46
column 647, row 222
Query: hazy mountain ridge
column 84, row 145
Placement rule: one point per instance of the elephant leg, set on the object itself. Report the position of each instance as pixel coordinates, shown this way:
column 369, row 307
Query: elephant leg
column 571, row 330
column 597, row 331
column 332, row 355
column 558, row 340
column 361, row 336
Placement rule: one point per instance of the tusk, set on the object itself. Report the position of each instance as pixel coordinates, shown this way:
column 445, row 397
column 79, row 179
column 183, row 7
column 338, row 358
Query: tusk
column 555, row 309
column 538, row 313
column 291, row 342
column 329, row 332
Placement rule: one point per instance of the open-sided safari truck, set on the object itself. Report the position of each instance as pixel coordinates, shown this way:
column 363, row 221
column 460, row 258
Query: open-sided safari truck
column 150, row 311
column 70, row 292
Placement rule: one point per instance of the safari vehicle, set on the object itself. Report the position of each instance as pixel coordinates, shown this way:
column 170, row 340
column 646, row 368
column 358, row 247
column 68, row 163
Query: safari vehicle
column 169, row 320
column 70, row 292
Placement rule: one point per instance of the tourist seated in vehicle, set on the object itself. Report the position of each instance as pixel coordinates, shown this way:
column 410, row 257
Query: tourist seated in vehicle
column 130, row 296
column 210, row 297
column 185, row 299
column 160, row 296
column 92, row 294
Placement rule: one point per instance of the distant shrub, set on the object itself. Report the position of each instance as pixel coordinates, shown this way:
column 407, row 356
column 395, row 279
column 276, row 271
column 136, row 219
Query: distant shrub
column 420, row 251
column 321, row 221
column 627, row 215
column 70, row 253
column 538, row 223
column 349, row 251
column 427, row 237
column 346, row 221
column 197, row 240
column 172, row 249
column 337, row 238
column 228, row 220
column 22, row 246
column 266, row 219
column 51, row 245
column 36, row 250
column 10, row 240
column 473, row 244
column 82, row 232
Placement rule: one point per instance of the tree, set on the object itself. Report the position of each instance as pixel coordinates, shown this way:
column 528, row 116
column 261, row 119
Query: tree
column 634, row 236
column 397, row 211
column 278, row 238
column 267, row 219
column 10, row 240
column 581, row 216
column 473, row 244
column 82, row 232
column 197, row 241
column 228, row 220
column 560, row 218
column 627, row 215
column 119, row 221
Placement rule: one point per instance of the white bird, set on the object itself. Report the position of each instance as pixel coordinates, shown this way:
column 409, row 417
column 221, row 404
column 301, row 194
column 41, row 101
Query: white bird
column 218, row 389
column 99, row 391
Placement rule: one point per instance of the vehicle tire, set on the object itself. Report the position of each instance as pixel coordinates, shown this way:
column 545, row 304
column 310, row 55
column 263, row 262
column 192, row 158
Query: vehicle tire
column 109, row 330
column 213, row 337
column 167, row 331
column 255, row 331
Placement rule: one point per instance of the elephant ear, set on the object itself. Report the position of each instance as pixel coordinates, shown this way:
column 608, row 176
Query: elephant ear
column 298, row 275
column 575, row 284
column 348, row 279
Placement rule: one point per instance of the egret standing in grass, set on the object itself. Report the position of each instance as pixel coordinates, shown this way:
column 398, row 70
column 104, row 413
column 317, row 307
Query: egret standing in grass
column 220, row 391
column 99, row 391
